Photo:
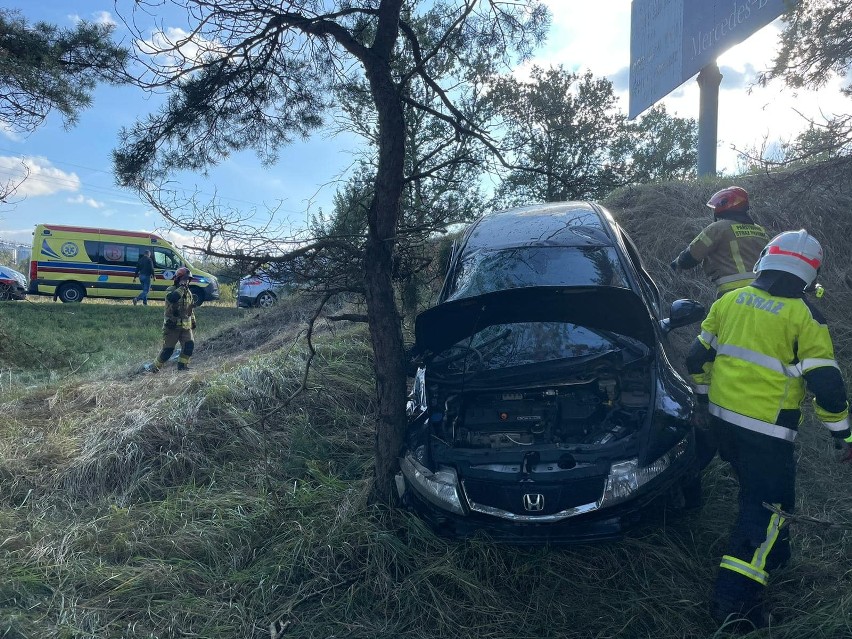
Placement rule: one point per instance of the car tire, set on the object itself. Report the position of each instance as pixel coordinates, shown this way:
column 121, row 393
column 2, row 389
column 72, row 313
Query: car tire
column 266, row 299
column 71, row 293
column 197, row 295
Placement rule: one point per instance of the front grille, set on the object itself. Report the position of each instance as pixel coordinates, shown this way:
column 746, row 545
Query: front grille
column 557, row 497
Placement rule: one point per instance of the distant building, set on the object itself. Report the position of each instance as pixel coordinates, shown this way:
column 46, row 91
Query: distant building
column 20, row 252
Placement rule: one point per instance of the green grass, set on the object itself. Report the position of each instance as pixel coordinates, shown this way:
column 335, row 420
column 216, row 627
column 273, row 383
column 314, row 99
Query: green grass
column 45, row 342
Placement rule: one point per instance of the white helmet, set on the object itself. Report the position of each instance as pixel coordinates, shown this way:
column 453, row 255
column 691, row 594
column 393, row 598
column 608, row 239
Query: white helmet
column 795, row 252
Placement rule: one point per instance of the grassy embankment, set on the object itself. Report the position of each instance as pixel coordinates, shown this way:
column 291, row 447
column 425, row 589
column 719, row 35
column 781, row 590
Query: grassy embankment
column 203, row 505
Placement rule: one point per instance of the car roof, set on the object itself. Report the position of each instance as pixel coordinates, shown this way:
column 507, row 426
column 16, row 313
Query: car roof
column 554, row 224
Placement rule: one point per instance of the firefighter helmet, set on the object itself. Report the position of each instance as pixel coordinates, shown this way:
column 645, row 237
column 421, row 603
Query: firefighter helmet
column 733, row 199
column 180, row 274
column 795, row 252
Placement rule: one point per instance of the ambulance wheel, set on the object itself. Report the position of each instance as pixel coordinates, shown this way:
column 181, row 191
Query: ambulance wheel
column 71, row 293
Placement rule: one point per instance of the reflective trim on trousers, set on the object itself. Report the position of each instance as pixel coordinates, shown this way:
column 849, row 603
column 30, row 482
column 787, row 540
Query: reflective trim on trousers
column 840, row 426
column 776, row 523
column 745, row 569
column 815, row 362
column 702, row 389
column 750, row 423
column 753, row 357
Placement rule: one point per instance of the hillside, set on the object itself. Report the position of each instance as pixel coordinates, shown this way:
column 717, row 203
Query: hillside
column 217, row 504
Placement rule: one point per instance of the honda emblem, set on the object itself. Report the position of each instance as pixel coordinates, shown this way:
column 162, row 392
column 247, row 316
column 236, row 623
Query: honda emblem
column 534, row 502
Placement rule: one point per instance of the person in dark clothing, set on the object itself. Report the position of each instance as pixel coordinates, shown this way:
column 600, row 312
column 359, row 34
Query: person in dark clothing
column 144, row 271
column 760, row 349
column 729, row 247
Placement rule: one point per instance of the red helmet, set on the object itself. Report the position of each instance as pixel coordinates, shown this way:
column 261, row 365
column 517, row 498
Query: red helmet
column 733, row 199
column 180, row 274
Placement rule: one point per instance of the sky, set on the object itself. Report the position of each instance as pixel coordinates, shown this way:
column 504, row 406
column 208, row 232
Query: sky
column 71, row 179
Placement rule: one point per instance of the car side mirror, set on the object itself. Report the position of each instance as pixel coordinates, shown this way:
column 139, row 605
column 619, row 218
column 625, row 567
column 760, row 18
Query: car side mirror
column 683, row 313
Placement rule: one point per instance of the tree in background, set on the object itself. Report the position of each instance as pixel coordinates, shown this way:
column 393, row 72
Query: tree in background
column 660, row 147
column 816, row 43
column 568, row 141
column 45, row 68
column 257, row 74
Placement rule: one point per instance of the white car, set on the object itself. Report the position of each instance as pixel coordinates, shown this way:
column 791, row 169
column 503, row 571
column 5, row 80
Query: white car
column 13, row 285
column 261, row 290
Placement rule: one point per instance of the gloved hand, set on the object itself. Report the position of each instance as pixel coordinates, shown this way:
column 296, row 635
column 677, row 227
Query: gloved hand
column 673, row 264
column 194, row 323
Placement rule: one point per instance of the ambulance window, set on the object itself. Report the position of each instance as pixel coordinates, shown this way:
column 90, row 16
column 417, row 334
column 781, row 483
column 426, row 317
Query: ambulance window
column 93, row 249
column 166, row 259
column 132, row 253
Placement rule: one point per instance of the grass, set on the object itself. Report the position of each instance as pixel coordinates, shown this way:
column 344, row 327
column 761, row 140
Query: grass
column 204, row 505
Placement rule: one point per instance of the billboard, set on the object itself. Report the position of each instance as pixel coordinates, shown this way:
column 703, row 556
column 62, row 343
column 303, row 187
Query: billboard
column 672, row 40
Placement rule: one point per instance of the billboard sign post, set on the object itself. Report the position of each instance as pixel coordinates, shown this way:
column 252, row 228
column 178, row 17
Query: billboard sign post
column 672, row 40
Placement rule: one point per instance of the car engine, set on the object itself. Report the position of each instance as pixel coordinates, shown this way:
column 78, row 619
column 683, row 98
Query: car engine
column 590, row 411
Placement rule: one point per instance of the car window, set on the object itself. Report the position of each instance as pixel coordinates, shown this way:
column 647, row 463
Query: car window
column 504, row 346
column 166, row 259
column 485, row 271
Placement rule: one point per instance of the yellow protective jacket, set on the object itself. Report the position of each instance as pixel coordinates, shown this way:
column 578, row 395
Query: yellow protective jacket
column 727, row 250
column 179, row 309
column 756, row 355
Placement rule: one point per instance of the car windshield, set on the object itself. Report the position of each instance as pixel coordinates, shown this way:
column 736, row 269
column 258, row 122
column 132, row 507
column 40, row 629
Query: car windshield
column 505, row 346
column 485, row 271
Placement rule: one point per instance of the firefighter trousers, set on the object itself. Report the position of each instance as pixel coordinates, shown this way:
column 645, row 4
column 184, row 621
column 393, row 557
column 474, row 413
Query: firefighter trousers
column 765, row 468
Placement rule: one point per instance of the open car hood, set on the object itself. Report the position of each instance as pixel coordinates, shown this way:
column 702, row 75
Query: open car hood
column 619, row 310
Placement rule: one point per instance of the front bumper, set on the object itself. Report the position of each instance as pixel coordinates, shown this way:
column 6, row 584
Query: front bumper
column 590, row 522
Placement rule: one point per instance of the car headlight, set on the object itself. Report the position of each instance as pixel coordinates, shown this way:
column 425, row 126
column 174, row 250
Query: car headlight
column 626, row 477
column 440, row 488
column 202, row 280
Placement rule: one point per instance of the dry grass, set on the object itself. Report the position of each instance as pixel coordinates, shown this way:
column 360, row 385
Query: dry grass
column 203, row 506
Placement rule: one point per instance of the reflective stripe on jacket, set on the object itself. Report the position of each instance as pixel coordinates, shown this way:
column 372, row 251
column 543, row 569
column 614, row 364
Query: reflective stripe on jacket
column 179, row 308
column 728, row 250
column 754, row 356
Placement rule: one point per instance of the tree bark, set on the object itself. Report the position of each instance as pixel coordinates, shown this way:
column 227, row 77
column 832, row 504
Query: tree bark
column 383, row 217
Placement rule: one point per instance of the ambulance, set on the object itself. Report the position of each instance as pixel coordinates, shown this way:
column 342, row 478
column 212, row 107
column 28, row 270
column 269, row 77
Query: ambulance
column 73, row 262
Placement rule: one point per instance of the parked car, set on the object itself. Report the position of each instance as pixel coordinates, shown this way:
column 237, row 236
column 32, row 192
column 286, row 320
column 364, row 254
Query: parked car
column 13, row 284
column 543, row 405
column 262, row 289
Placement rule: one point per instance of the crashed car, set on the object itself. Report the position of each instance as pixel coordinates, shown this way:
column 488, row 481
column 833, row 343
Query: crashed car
column 543, row 407
column 13, row 285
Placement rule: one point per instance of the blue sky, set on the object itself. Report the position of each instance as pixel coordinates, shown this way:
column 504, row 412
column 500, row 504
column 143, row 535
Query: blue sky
column 70, row 170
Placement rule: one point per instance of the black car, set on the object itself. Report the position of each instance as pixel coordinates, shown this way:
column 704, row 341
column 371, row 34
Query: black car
column 543, row 405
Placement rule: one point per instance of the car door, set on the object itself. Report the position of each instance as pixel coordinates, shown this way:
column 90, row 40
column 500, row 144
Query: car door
column 166, row 262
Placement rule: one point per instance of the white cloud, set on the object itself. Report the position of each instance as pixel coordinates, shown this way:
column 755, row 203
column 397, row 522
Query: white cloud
column 103, row 17
column 39, row 176
column 177, row 49
column 98, row 17
column 88, row 201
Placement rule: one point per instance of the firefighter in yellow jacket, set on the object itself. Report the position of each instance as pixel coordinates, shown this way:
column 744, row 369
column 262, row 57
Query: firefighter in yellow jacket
column 760, row 348
column 729, row 247
column 178, row 323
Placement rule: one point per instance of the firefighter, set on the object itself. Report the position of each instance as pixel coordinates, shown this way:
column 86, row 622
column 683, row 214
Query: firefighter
column 179, row 322
column 760, row 348
column 729, row 247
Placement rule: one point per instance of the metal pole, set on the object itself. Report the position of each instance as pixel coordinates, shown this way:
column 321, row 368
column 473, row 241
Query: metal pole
column 709, row 79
